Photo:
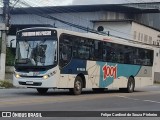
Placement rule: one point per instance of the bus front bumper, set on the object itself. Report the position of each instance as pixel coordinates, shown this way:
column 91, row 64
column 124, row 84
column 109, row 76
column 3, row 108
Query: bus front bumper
column 50, row 82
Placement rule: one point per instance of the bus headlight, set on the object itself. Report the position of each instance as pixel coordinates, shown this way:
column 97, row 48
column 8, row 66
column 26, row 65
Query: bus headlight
column 49, row 75
column 18, row 76
column 45, row 77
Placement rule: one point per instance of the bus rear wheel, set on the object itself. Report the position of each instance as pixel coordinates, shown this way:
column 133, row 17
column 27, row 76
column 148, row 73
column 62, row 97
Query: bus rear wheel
column 130, row 85
column 77, row 86
column 42, row 91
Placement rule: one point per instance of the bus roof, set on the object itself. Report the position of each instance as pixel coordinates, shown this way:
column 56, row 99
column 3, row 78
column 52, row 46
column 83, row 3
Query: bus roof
column 110, row 38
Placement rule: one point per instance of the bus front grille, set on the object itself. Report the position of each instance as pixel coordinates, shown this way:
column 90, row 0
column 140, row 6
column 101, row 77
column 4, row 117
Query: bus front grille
column 34, row 83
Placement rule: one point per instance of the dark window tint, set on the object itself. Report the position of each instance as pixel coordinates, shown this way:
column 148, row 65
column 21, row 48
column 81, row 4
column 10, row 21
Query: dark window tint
column 95, row 50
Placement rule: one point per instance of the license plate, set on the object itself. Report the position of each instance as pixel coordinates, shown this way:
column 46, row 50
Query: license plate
column 29, row 82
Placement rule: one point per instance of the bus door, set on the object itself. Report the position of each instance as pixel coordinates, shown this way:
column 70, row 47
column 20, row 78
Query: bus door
column 65, row 54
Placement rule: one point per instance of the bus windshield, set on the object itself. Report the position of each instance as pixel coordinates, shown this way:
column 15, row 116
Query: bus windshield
column 36, row 52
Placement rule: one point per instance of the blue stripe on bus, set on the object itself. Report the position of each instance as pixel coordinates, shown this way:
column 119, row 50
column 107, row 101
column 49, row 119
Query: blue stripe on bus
column 75, row 67
column 124, row 70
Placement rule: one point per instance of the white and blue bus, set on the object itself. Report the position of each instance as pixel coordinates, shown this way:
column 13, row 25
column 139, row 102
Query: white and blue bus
column 61, row 59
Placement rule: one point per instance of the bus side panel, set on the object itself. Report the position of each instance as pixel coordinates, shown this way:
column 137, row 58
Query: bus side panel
column 63, row 81
column 144, row 77
column 66, row 80
column 104, row 74
column 69, row 72
column 116, row 74
column 93, row 74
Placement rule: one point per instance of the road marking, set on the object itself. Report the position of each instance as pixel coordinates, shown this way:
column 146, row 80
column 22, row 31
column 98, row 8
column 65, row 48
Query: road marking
column 127, row 97
column 45, row 100
column 152, row 101
column 138, row 99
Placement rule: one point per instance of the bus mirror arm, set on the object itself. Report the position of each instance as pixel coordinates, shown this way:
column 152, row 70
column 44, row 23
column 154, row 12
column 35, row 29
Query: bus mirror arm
column 11, row 43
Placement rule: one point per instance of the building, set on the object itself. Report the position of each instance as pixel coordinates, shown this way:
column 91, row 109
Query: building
column 86, row 16
column 83, row 15
column 130, row 29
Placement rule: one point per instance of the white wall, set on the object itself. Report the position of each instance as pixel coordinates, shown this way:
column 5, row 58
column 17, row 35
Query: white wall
column 121, row 29
column 13, row 38
column 142, row 31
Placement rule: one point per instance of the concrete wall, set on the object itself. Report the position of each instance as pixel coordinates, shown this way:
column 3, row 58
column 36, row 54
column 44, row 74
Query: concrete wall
column 142, row 31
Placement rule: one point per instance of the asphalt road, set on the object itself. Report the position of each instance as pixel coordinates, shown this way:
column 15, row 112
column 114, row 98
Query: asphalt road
column 144, row 99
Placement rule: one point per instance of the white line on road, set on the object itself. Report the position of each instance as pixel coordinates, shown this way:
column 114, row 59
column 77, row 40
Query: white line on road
column 139, row 99
column 127, row 97
column 151, row 101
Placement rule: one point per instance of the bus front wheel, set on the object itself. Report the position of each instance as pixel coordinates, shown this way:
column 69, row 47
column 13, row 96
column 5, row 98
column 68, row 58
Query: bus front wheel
column 42, row 91
column 77, row 86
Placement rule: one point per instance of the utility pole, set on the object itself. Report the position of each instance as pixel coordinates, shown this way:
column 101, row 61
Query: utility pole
column 4, row 38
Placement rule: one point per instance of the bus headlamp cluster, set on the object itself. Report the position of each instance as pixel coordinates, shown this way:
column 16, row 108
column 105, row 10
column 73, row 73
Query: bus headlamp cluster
column 45, row 76
column 17, row 75
column 49, row 75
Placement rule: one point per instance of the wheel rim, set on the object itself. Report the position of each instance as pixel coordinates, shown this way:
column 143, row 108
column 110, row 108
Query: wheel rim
column 78, row 86
column 130, row 85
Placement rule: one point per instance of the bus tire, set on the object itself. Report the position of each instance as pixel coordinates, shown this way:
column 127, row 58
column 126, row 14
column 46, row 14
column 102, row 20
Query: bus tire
column 78, row 84
column 130, row 85
column 42, row 91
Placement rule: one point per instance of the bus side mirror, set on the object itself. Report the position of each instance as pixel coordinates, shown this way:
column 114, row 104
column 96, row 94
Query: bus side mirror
column 11, row 43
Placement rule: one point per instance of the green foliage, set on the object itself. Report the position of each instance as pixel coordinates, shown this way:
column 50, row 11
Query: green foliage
column 10, row 56
column 6, row 84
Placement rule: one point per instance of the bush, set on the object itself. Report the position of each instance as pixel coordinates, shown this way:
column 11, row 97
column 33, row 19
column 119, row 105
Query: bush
column 6, row 84
column 10, row 56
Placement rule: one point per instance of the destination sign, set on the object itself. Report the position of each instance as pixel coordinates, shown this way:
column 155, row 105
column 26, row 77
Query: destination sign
column 37, row 33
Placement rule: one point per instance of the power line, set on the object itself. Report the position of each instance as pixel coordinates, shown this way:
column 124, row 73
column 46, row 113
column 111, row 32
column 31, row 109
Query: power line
column 42, row 14
column 85, row 21
column 48, row 9
column 64, row 10
column 61, row 10
column 14, row 5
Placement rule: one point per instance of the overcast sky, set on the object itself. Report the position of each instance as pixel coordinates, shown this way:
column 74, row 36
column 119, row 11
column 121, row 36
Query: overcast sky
column 79, row 2
column 109, row 1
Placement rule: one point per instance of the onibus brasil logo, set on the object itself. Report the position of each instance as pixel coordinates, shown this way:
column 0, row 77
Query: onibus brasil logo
column 109, row 71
